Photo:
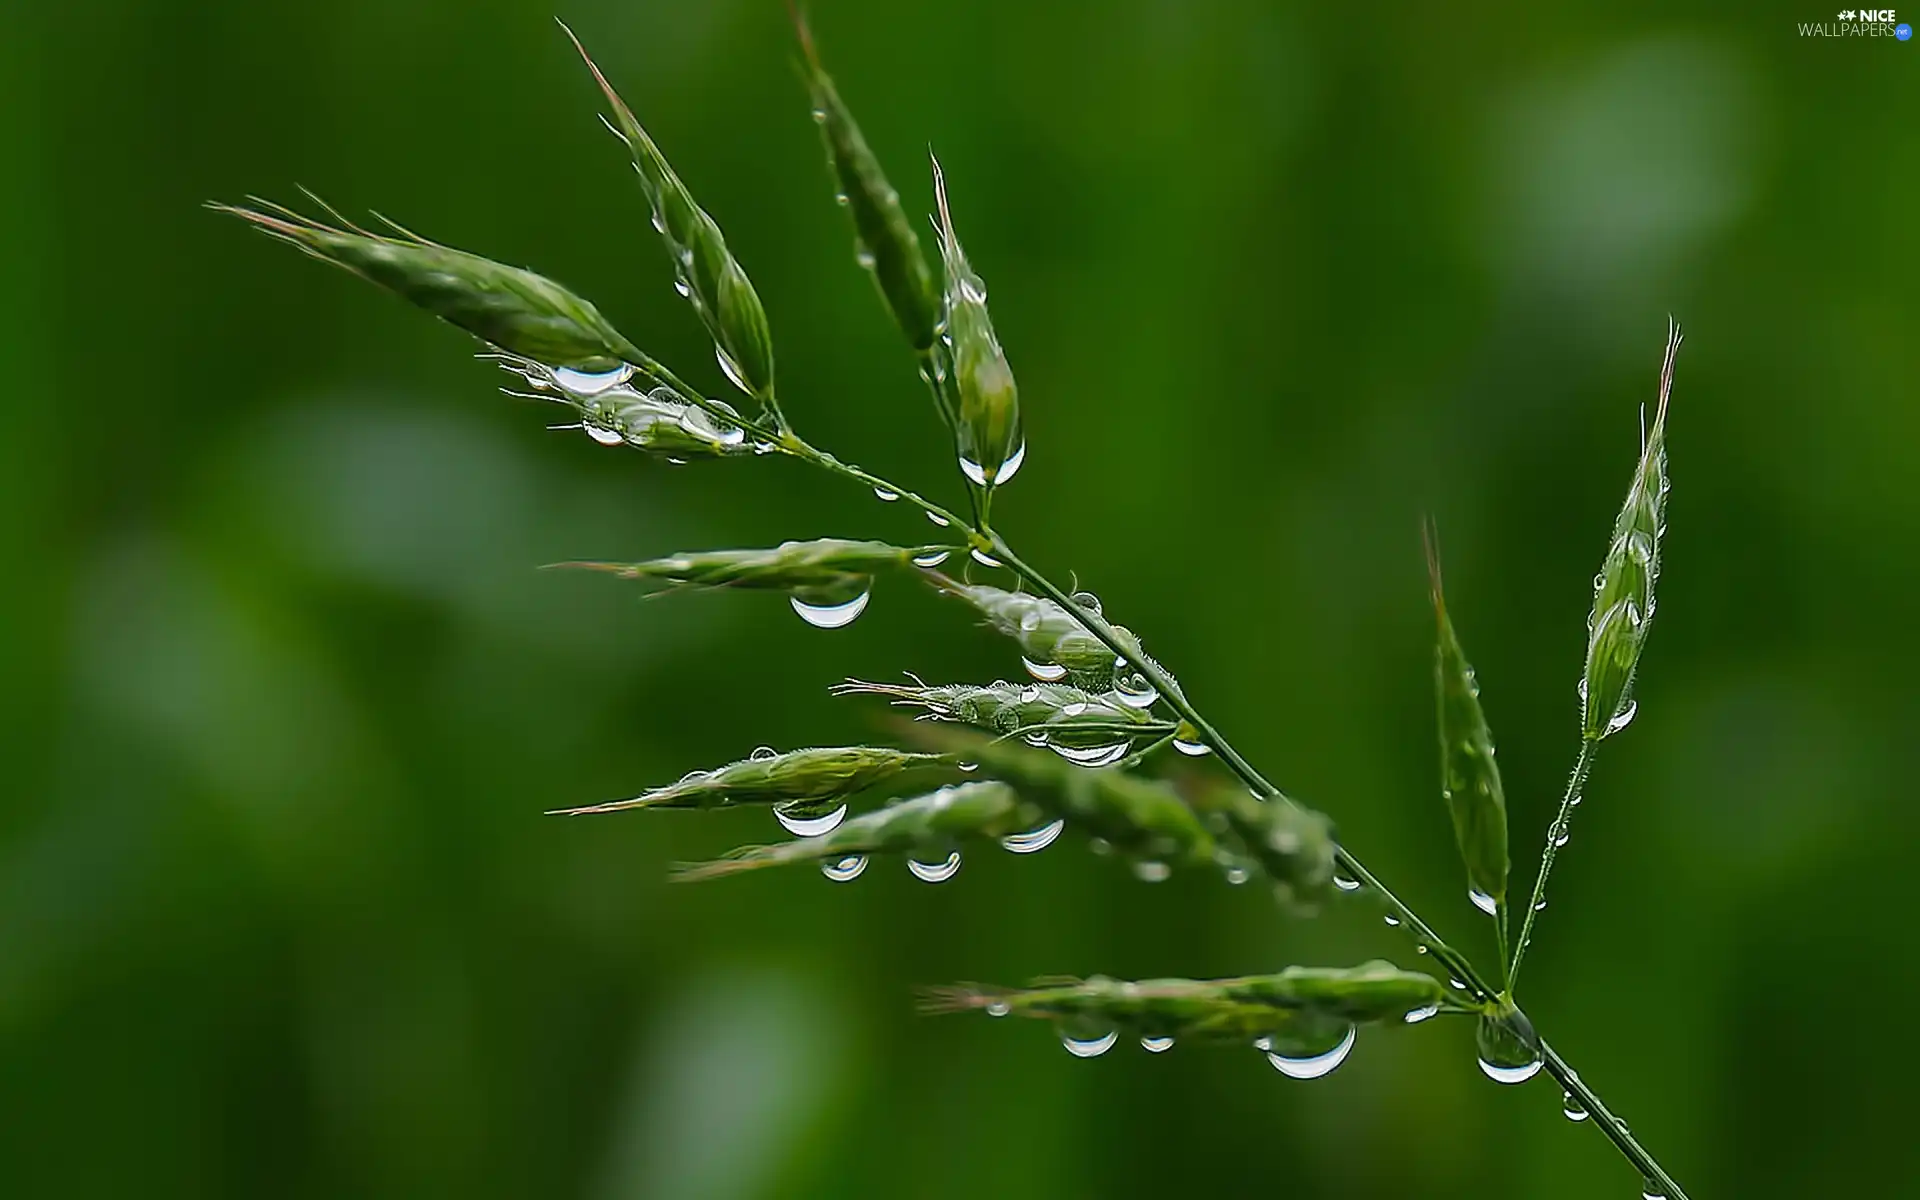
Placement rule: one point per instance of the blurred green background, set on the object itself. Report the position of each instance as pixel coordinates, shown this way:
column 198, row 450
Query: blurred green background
column 284, row 696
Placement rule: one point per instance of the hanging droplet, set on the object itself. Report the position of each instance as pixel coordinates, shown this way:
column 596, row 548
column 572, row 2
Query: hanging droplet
column 1345, row 884
column 1044, row 672
column 1571, row 1106
column 1130, row 687
column 1156, row 1045
column 931, row 558
column 731, row 370
column 1392, row 920
column 998, row 1008
column 805, row 827
column 845, row 869
column 1420, row 1014
column 939, row 520
column 1193, row 748
column 885, row 496
column 1092, row 756
column 1034, row 840
column 591, row 383
column 1089, row 1047
column 604, row 435
column 1623, row 718
column 938, row 872
column 1148, row 871
column 1087, row 601
column 1649, row 1190
column 1313, row 1066
column 1237, row 875
column 832, row 616
column 983, row 558
column 1100, row 846
column 1485, row 903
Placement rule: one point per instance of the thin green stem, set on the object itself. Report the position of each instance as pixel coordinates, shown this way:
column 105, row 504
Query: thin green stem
column 984, row 538
column 1557, row 833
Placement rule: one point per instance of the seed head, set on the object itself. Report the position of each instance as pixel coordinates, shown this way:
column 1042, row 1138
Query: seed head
column 615, row 410
column 713, row 281
column 979, row 384
column 926, row 826
column 823, row 567
column 1047, row 632
column 1623, row 597
column 798, row 777
column 518, row 311
column 1045, row 713
column 884, row 241
column 1469, row 776
column 1293, row 846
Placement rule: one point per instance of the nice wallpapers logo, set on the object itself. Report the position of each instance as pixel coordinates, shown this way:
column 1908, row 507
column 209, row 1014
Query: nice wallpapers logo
column 1864, row 22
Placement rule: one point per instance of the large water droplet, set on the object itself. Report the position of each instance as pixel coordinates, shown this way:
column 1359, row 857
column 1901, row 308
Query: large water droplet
column 1485, row 903
column 1313, row 1066
column 1149, row 871
column 591, row 383
column 844, row 869
column 1623, row 718
column 1156, row 1045
column 831, row 616
column 1089, row 1047
column 1345, row 884
column 1011, row 467
column 1034, row 840
column 885, row 496
column 1044, row 672
column 1130, row 687
column 983, row 558
column 1510, row 1073
column 731, row 370
column 938, row 872
column 801, row 826
column 1574, row 1110
column 1192, row 748
column 1092, row 756
column 931, row 558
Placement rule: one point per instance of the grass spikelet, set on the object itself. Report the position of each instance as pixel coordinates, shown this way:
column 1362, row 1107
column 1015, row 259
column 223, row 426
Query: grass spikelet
column 824, row 568
column 1047, row 633
column 520, row 312
column 927, row 826
column 1053, row 714
column 985, row 401
column 798, row 777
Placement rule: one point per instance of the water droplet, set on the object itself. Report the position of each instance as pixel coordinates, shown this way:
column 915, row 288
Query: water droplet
column 998, row 1008
column 1011, row 467
column 831, row 616
column 684, row 288
column 1420, row 1014
column 1029, row 694
column 885, row 496
column 1623, row 718
column 591, row 383
column 1089, row 1047
column 1574, row 1110
column 1100, row 845
column 1345, row 884
column 983, row 558
column 1034, row 840
column 1485, row 903
column 968, row 768
column 1092, row 756
column 1541, row 906
column 1130, row 687
column 763, row 753
column 1392, row 920
column 1148, row 871
column 731, row 370
column 1073, row 708
column 1263, row 1042
column 932, row 558
column 805, row 827
column 1651, row 1191
column 659, row 222
column 1237, row 875
column 604, row 435
column 1088, row 601
column 939, row 520
column 1044, row 672
column 845, row 869
column 1514, row 1073
column 1192, row 748
column 938, row 872
column 1314, row 1066
column 1156, row 1045
column 1561, row 837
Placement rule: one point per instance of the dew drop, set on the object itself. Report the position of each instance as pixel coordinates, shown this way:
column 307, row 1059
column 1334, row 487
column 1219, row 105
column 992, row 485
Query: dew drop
column 1073, row 708
column 1156, row 1045
column 805, row 827
column 1485, row 903
column 1314, row 1066
column 939, row 520
column 1011, row 467
column 762, row 754
column 1089, row 1047
column 1100, row 846
column 1130, row 687
column 998, row 1008
column 1422, row 1013
column 983, row 558
column 1149, row 871
column 591, row 383
column 1263, row 1042
column 1540, row 906
column 845, row 869
column 1623, row 718
column 885, row 496
column 1044, row 672
column 1237, row 875
column 1192, row 749
column 938, row 872
column 731, row 370
column 1092, row 756
column 604, row 435
column 1651, row 1191
column 1034, row 840
column 831, row 616
column 1345, row 884
column 1030, row 620
column 1574, row 1110
column 1029, row 694
column 931, row 558
column 1392, row 920
column 1514, row 1073
column 1087, row 601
